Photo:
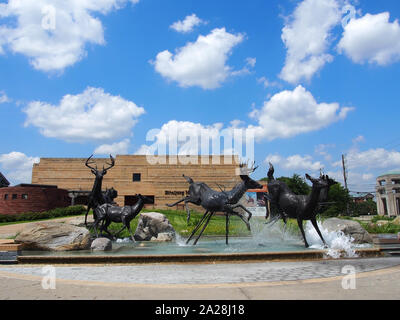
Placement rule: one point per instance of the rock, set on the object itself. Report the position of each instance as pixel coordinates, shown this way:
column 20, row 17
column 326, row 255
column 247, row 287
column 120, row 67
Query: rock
column 101, row 244
column 53, row 236
column 396, row 221
column 350, row 228
column 381, row 223
column 164, row 237
column 151, row 224
column 80, row 221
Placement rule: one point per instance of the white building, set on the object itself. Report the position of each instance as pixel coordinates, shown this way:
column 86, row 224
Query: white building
column 388, row 193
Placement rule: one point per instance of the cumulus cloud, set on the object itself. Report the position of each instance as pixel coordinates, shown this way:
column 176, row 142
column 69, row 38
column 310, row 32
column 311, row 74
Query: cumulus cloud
column 201, row 63
column 17, row 166
column 180, row 137
column 4, row 98
column 289, row 113
column 53, row 34
column 371, row 39
column 373, row 159
column 295, row 162
column 188, row 24
column 307, row 37
column 114, row 148
column 93, row 115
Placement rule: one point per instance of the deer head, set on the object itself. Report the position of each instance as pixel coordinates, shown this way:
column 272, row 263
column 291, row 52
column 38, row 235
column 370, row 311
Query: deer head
column 245, row 172
column 95, row 171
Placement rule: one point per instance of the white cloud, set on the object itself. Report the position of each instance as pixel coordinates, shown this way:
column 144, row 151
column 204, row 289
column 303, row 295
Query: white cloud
column 371, row 39
column 4, row 98
column 289, row 113
column 17, row 166
column 267, row 83
column 90, row 116
column 307, row 36
column 114, row 148
column 295, row 162
column 201, row 63
column 373, row 159
column 180, row 137
column 188, row 24
column 53, row 34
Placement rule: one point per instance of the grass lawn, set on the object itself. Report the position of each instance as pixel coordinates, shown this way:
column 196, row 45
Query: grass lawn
column 177, row 219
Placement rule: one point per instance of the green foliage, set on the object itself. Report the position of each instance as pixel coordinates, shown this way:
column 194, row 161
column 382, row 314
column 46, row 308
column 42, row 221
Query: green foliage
column 378, row 218
column 388, row 228
column 363, row 208
column 339, row 197
column 54, row 213
column 297, row 184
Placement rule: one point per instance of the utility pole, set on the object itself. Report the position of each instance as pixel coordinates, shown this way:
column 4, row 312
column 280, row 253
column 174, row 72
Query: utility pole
column 345, row 181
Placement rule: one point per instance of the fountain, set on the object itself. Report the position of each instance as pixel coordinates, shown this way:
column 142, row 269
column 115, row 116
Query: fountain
column 267, row 241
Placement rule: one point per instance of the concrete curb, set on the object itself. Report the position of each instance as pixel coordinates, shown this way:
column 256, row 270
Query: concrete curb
column 192, row 258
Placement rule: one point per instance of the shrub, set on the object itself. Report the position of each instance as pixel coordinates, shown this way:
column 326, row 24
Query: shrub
column 54, row 213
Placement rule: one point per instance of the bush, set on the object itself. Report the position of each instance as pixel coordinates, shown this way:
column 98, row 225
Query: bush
column 54, row 213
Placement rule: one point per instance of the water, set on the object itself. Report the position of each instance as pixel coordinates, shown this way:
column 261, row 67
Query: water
column 263, row 239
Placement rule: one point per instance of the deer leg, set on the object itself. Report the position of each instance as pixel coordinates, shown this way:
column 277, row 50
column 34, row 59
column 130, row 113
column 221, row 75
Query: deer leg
column 227, row 228
column 130, row 231
column 241, row 217
column 315, row 224
column 105, row 228
column 174, row 204
column 188, row 212
column 87, row 212
column 197, row 227
column 242, row 207
column 300, row 223
column 204, row 227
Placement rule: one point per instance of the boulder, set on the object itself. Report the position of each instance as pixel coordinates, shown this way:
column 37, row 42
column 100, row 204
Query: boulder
column 151, row 224
column 164, row 237
column 350, row 228
column 396, row 221
column 80, row 221
column 54, row 236
column 101, row 244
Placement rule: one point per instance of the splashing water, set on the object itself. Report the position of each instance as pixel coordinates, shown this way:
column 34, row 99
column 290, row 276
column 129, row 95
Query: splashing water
column 339, row 244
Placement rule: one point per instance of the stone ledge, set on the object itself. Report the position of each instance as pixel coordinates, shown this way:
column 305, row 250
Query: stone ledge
column 193, row 258
column 10, row 247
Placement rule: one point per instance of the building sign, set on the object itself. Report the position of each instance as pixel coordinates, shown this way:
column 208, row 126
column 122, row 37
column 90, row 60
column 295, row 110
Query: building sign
column 255, row 203
column 175, row 193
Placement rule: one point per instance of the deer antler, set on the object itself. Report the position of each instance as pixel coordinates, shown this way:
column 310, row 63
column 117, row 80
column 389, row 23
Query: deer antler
column 110, row 165
column 88, row 161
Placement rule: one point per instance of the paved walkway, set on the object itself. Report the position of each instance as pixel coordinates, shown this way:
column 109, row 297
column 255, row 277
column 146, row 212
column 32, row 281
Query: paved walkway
column 375, row 278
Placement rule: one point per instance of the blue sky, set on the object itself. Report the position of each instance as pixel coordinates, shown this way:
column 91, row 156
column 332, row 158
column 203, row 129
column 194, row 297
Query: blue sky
column 312, row 80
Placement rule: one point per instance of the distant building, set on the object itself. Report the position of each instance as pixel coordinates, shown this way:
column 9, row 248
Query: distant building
column 388, row 194
column 368, row 196
column 32, row 198
column 3, row 181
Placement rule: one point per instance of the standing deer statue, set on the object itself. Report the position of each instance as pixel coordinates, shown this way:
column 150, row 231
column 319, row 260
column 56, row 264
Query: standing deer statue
column 96, row 197
column 225, row 201
column 300, row 207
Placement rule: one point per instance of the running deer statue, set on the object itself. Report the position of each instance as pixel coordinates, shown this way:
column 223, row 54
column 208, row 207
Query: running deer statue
column 220, row 201
column 291, row 205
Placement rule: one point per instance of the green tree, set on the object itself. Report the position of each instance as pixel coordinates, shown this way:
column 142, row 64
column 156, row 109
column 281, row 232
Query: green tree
column 297, row 184
column 338, row 199
column 363, row 208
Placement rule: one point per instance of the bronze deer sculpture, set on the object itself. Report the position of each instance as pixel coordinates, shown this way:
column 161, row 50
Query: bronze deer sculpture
column 96, row 197
column 291, row 205
column 225, row 201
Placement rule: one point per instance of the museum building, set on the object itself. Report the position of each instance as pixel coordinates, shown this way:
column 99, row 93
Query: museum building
column 388, row 193
column 163, row 182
